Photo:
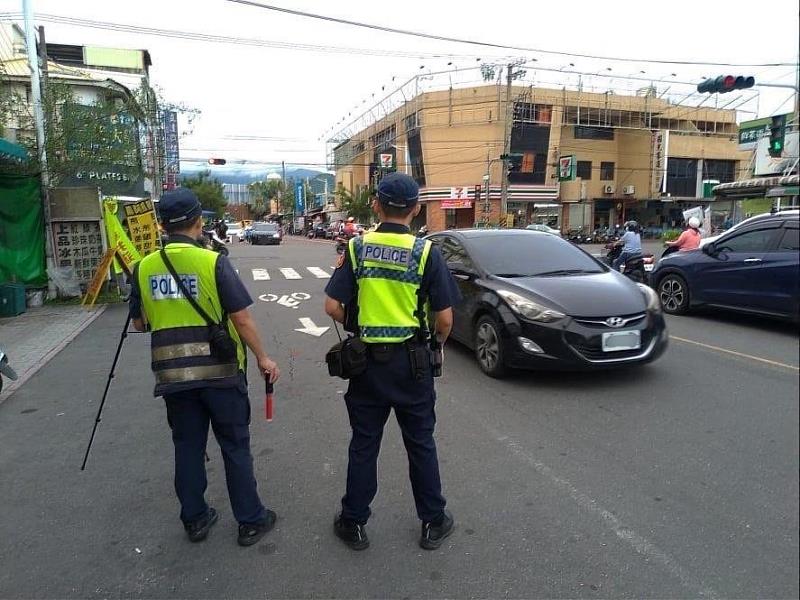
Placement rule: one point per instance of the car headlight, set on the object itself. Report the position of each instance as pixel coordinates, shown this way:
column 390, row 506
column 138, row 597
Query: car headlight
column 529, row 309
column 653, row 303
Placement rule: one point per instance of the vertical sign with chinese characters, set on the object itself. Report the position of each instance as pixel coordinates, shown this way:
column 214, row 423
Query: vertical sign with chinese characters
column 78, row 244
column 169, row 123
column 299, row 197
column 659, row 144
column 143, row 226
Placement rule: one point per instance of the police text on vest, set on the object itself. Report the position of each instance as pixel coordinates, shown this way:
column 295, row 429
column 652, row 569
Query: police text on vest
column 163, row 286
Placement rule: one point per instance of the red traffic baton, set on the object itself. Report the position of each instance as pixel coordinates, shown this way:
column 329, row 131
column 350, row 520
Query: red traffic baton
column 268, row 401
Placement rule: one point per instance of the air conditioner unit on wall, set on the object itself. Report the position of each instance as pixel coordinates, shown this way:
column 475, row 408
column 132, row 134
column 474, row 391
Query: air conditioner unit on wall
column 629, row 190
column 608, row 189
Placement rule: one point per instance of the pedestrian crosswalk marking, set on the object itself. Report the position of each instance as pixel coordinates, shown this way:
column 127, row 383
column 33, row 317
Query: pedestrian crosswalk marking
column 290, row 273
column 260, row 275
column 318, row 272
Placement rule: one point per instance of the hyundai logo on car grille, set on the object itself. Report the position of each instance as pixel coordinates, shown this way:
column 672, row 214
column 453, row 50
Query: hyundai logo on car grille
column 615, row 321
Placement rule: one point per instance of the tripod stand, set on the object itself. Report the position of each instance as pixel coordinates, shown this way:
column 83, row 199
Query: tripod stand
column 108, row 385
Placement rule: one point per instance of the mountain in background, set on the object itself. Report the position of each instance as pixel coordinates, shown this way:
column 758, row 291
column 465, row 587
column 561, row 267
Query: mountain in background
column 247, row 174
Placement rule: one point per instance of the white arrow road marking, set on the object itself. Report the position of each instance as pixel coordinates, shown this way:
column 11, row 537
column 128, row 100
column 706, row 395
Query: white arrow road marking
column 290, row 273
column 318, row 272
column 260, row 275
column 310, row 327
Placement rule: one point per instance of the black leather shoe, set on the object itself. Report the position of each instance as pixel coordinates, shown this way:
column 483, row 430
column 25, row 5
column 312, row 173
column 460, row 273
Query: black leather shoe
column 250, row 533
column 198, row 530
column 433, row 535
column 352, row 534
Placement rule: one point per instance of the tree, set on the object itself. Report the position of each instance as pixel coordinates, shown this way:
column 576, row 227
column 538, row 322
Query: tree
column 264, row 192
column 208, row 190
column 358, row 205
column 102, row 136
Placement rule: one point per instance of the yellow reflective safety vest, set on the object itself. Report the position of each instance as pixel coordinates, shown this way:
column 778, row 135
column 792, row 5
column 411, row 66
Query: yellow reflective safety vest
column 388, row 269
column 179, row 342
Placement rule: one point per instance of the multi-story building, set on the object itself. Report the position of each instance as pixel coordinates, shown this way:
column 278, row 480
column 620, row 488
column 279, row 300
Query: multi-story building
column 635, row 156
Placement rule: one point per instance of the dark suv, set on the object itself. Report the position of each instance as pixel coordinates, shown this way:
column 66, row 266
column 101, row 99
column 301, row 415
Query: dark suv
column 753, row 268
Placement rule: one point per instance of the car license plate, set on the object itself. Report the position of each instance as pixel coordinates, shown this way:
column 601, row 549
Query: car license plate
column 616, row 341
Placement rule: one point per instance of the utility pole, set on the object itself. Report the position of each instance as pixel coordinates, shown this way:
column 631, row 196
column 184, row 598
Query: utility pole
column 41, row 140
column 506, row 143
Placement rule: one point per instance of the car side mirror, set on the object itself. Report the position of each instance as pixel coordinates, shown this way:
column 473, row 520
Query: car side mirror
column 710, row 249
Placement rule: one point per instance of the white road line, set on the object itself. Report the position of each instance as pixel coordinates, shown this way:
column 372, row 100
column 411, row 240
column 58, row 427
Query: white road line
column 319, row 273
column 260, row 275
column 290, row 273
column 766, row 361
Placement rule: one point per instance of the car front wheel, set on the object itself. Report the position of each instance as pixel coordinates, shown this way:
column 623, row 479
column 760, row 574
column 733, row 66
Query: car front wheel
column 489, row 347
column 673, row 292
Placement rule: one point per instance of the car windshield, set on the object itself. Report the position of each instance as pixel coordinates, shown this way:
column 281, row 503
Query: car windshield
column 530, row 255
column 268, row 227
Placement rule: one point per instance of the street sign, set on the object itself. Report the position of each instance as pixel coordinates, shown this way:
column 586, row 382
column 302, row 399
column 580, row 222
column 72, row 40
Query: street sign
column 752, row 131
column 566, row 168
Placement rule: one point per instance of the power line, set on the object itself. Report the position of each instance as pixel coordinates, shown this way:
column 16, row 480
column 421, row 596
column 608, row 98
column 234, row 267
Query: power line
column 442, row 38
column 234, row 40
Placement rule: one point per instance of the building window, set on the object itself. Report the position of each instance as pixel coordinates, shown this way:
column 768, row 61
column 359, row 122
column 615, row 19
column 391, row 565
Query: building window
column 723, row 171
column 606, row 171
column 584, row 170
column 593, row 133
column 682, row 177
column 358, row 148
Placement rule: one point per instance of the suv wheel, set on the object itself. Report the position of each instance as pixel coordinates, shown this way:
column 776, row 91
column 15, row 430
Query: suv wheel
column 489, row 347
column 673, row 292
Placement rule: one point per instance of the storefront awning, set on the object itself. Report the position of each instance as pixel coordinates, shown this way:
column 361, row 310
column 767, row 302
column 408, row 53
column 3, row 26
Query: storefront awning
column 757, row 186
column 10, row 152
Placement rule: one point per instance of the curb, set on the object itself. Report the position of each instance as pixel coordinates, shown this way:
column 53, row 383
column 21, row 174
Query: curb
column 24, row 377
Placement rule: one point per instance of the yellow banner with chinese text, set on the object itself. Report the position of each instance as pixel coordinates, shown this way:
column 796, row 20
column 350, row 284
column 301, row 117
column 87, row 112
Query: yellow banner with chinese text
column 143, row 226
column 127, row 254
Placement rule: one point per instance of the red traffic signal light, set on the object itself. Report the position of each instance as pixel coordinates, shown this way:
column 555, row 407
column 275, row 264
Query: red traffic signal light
column 216, row 161
column 725, row 83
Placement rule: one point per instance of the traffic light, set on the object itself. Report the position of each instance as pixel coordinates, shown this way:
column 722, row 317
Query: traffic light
column 216, row 161
column 777, row 131
column 514, row 161
column 725, row 83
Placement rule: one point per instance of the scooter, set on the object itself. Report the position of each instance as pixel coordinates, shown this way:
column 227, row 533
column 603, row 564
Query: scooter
column 213, row 242
column 5, row 369
column 341, row 243
column 634, row 268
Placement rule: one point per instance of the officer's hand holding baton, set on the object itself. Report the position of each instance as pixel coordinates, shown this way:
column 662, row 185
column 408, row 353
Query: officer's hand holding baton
column 271, row 372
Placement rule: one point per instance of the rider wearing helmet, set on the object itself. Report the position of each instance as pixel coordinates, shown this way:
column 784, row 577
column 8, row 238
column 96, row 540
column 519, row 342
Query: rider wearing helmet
column 690, row 238
column 631, row 243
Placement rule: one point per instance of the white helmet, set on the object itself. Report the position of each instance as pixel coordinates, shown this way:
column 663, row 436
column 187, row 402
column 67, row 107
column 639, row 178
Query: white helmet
column 694, row 223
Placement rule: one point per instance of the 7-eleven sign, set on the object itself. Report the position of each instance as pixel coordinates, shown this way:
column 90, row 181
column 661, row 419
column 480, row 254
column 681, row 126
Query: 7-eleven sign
column 566, row 168
column 386, row 161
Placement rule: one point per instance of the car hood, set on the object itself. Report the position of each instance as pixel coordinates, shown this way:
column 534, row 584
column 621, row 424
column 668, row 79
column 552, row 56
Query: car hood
column 600, row 295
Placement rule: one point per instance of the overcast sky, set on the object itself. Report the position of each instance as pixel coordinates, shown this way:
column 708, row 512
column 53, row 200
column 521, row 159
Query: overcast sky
column 296, row 95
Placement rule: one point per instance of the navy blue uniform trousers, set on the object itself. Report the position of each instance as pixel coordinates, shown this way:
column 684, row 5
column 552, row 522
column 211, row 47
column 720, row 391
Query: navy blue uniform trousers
column 370, row 398
column 227, row 410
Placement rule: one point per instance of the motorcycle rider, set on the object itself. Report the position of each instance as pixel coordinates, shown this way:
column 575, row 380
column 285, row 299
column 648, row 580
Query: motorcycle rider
column 689, row 239
column 631, row 242
column 350, row 227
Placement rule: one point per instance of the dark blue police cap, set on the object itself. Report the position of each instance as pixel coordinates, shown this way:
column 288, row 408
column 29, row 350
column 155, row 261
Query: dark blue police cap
column 398, row 190
column 178, row 206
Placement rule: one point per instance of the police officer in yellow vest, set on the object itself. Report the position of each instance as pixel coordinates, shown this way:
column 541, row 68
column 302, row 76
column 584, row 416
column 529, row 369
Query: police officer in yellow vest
column 390, row 277
column 203, row 380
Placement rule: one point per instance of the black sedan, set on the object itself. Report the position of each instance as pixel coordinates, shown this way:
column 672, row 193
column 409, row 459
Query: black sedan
column 532, row 300
column 265, row 233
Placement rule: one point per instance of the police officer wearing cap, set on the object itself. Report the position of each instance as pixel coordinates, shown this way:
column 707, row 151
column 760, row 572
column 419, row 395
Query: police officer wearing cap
column 390, row 278
column 200, row 383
